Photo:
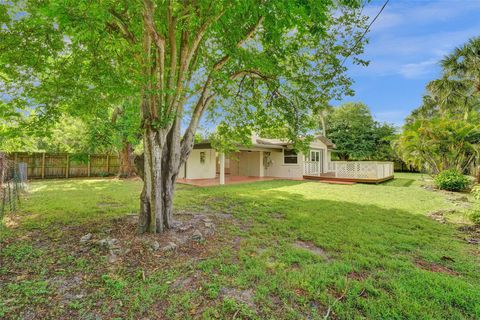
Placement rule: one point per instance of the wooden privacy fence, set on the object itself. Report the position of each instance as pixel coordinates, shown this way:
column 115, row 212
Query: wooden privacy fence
column 63, row 165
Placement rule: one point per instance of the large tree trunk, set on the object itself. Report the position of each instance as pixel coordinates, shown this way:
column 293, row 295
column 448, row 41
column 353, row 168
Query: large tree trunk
column 151, row 201
column 161, row 165
column 127, row 168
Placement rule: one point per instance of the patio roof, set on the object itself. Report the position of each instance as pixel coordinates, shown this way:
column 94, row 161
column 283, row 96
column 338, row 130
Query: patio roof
column 266, row 143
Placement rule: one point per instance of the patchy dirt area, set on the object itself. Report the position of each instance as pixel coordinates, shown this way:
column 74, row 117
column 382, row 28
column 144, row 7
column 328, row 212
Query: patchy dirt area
column 310, row 246
column 434, row 267
column 441, row 215
column 69, row 265
column 471, row 234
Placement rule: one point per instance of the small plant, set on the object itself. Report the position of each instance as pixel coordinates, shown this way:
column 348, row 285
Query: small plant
column 475, row 216
column 476, row 192
column 451, row 180
column 113, row 285
column 103, row 174
column 20, row 252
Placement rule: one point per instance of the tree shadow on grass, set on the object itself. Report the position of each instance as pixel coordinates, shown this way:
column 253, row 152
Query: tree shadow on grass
column 385, row 244
column 399, row 182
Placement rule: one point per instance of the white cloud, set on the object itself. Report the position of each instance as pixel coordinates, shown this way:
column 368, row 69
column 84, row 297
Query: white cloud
column 416, row 70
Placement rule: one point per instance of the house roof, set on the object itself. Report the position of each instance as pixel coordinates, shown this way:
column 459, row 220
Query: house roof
column 326, row 141
column 275, row 142
column 266, row 143
column 282, row 142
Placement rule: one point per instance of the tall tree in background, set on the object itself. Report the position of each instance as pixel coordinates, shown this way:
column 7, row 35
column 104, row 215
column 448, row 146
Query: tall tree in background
column 357, row 135
column 321, row 112
column 175, row 57
column 126, row 121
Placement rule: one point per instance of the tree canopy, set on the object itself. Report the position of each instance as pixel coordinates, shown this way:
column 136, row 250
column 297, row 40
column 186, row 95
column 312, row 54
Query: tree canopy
column 357, row 135
column 178, row 59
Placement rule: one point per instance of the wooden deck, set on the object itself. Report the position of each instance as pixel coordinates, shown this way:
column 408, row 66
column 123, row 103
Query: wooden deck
column 330, row 177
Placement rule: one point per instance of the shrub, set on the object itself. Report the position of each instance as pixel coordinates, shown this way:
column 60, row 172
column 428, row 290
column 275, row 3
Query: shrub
column 476, row 192
column 451, row 180
column 475, row 216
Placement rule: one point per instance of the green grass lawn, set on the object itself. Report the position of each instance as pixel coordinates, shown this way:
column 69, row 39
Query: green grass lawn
column 280, row 250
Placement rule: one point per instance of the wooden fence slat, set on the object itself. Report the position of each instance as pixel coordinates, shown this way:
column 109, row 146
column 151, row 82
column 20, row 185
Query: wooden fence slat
column 89, row 164
column 67, row 170
column 43, row 165
column 62, row 165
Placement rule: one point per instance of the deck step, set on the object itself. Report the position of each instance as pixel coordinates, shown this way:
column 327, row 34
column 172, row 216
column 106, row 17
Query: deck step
column 336, row 182
column 329, row 179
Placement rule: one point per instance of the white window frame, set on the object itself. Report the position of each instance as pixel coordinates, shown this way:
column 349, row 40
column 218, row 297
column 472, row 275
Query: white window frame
column 289, row 164
column 317, row 152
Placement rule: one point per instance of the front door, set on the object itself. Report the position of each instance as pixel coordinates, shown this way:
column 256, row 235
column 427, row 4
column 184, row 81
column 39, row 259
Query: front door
column 317, row 156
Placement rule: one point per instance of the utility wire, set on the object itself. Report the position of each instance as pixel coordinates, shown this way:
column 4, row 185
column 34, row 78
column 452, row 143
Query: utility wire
column 366, row 30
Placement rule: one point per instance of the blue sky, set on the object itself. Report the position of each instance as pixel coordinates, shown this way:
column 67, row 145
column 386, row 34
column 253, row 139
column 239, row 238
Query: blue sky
column 406, row 43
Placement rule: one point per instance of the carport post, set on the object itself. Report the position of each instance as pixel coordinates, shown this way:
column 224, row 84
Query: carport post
column 222, row 168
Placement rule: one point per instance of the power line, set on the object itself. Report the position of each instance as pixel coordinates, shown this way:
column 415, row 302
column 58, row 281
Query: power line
column 365, row 32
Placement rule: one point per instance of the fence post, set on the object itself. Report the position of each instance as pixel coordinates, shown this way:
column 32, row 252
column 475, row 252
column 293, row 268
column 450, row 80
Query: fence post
column 108, row 164
column 67, row 170
column 4, row 201
column 10, row 197
column 43, row 165
column 16, row 190
column 88, row 166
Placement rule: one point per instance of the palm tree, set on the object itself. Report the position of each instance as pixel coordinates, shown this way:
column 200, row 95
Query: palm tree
column 451, row 96
column 464, row 63
column 463, row 66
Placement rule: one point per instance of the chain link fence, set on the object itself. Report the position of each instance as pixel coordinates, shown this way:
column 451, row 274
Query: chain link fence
column 13, row 179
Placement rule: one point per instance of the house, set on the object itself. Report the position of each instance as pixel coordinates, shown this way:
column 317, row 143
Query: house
column 275, row 158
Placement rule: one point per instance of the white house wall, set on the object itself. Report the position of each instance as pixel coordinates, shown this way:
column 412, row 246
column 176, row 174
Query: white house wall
column 250, row 163
column 293, row 171
column 198, row 170
column 280, row 170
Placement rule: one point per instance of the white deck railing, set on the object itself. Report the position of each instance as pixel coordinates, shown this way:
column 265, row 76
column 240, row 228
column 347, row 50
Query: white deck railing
column 311, row 168
column 352, row 169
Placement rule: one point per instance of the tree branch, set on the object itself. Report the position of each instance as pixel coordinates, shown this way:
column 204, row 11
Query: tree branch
column 172, row 22
column 206, row 98
column 189, row 53
column 159, row 68
column 123, row 26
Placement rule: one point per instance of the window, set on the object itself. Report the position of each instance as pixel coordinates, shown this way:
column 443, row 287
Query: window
column 202, row 157
column 314, row 155
column 290, row 157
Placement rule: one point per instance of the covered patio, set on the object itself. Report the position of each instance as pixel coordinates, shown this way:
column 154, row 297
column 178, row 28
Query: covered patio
column 227, row 180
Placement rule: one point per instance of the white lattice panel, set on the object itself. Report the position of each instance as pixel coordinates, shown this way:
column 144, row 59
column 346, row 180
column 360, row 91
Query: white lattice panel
column 362, row 169
column 311, row 168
